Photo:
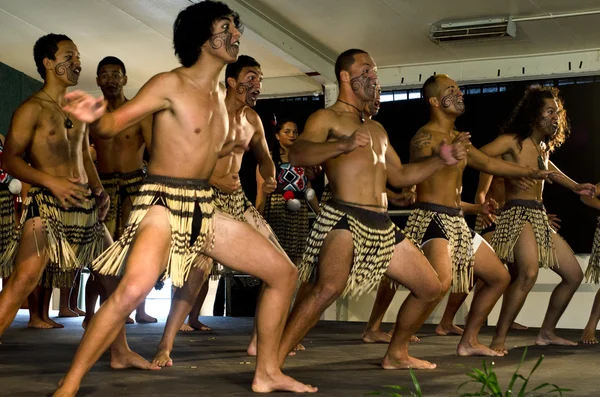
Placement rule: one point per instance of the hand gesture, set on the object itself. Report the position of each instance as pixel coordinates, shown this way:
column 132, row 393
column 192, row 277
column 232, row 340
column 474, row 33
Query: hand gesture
column 522, row 183
column 269, row 186
column 489, row 207
column 68, row 192
column 487, row 220
column 313, row 172
column 403, row 199
column 542, row 174
column 228, row 183
column 454, row 153
column 585, row 189
column 102, row 203
column 360, row 138
column 554, row 222
column 84, row 107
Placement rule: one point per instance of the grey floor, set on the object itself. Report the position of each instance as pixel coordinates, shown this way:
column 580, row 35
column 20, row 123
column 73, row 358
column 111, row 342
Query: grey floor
column 215, row 364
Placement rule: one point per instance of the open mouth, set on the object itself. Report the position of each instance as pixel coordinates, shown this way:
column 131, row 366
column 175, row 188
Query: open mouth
column 254, row 95
column 77, row 71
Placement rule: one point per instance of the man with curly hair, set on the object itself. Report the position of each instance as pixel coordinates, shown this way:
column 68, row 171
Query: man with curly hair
column 524, row 238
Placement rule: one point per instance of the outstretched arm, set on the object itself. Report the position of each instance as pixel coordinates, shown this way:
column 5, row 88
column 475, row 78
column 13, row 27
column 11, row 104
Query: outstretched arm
column 314, row 148
column 151, row 98
column 491, row 165
column 102, row 199
column 146, row 125
column 584, row 189
column 593, row 202
column 259, row 146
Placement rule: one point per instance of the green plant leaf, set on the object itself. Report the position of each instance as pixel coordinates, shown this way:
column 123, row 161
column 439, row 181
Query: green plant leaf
column 415, row 383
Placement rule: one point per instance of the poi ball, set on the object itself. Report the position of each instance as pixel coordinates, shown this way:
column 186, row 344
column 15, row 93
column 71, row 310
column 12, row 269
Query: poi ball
column 310, row 194
column 15, row 186
column 288, row 195
column 294, row 205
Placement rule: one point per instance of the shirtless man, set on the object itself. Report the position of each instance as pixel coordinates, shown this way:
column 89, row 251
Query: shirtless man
column 523, row 238
column 244, row 82
column 120, row 165
column 60, row 228
column 438, row 224
column 173, row 221
column 353, row 242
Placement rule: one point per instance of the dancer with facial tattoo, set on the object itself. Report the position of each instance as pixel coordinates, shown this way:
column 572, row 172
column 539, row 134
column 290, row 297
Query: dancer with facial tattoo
column 60, row 229
column 437, row 222
column 354, row 243
column 523, row 238
column 120, row 164
column 244, row 82
column 173, row 222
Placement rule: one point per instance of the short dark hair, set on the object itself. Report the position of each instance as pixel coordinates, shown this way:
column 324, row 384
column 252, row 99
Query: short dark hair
column 345, row 60
column 431, row 86
column 110, row 60
column 193, row 27
column 46, row 47
column 234, row 69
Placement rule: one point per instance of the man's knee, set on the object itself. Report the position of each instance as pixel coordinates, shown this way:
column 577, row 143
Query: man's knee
column 433, row 291
column 528, row 277
column 327, row 293
column 129, row 295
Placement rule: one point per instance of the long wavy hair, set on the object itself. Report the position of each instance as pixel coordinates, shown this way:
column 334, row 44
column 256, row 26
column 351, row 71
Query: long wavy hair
column 525, row 117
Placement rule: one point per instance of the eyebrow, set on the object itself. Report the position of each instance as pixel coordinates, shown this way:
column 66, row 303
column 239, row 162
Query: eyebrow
column 228, row 19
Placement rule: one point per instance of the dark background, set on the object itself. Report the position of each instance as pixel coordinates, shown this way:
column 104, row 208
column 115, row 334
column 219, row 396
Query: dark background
column 487, row 108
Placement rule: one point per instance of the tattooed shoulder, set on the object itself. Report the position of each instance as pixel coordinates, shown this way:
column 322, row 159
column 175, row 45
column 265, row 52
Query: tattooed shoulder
column 421, row 140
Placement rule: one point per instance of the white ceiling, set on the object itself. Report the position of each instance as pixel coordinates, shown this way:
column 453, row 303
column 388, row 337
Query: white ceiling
column 395, row 32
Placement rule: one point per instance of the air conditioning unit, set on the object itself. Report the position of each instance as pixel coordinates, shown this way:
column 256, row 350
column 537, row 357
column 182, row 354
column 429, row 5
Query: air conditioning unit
column 473, row 30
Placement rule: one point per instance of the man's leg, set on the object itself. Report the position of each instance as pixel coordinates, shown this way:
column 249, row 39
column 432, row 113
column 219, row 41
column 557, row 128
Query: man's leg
column 259, row 258
column 524, row 275
column 141, row 317
column 45, row 311
column 410, row 268
column 493, row 279
column 446, row 325
column 383, row 300
column 193, row 319
column 589, row 332
column 74, row 298
column 181, row 304
column 26, row 274
column 146, row 261
column 64, row 300
column 569, row 270
column 94, row 287
column 35, row 305
column 335, row 261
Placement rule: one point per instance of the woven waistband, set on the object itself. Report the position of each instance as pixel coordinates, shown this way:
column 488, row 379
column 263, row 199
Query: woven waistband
column 372, row 219
column 452, row 211
column 122, row 175
column 533, row 204
column 170, row 181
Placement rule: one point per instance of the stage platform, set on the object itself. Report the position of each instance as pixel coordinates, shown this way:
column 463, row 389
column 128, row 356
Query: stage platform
column 215, row 364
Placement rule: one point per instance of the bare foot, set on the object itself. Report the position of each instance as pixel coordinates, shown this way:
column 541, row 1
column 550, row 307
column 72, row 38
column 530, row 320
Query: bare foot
column 53, row 323
column 414, row 338
column 406, row 363
column 145, row 319
column 196, row 324
column 589, row 337
column 499, row 346
column 130, row 359
column 551, row 339
column 66, row 312
column 38, row 323
column 162, row 358
column 376, row 337
column 129, row 321
column 186, row 328
column 476, row 349
column 62, row 392
column 299, row 347
column 448, row 329
column 79, row 311
column 279, row 382
column 518, row 327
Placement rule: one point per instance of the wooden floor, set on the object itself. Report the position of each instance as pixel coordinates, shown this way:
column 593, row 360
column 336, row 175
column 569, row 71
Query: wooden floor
column 215, row 364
